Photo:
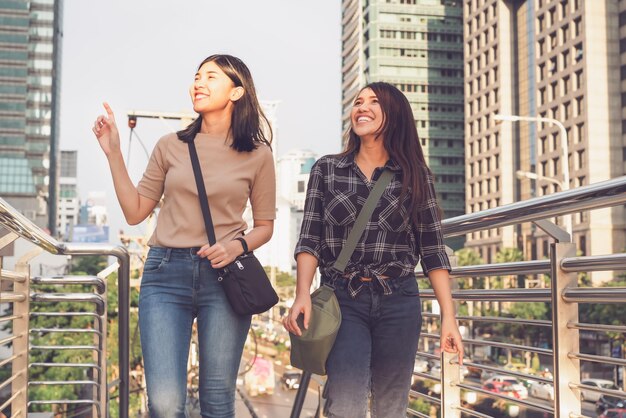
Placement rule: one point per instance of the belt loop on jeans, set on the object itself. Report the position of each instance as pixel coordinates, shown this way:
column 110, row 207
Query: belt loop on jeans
column 168, row 254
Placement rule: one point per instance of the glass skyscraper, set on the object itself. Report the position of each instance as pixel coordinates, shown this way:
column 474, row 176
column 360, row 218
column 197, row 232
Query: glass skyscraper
column 417, row 45
column 30, row 39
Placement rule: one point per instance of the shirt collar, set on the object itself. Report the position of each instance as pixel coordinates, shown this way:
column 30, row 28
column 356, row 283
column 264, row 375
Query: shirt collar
column 348, row 160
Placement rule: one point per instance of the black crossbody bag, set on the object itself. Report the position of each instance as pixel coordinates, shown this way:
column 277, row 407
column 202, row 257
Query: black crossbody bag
column 245, row 282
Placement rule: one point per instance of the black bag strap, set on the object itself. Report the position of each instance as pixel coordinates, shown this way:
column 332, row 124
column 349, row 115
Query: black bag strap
column 361, row 221
column 204, row 202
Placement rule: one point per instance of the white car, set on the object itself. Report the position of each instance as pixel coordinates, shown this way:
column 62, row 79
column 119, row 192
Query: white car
column 515, row 384
column 588, row 395
column 542, row 391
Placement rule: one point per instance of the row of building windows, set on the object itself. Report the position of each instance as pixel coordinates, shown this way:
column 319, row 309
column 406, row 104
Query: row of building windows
column 484, row 144
column 480, row 188
column 482, row 60
column 488, row 99
column 441, row 125
column 560, row 88
column 485, row 165
column 559, row 11
column 450, row 178
column 420, row 53
column 477, row 40
column 477, row 207
column 423, row 88
column 560, row 62
column 416, row 35
column 481, row 18
column 449, row 143
column 558, row 37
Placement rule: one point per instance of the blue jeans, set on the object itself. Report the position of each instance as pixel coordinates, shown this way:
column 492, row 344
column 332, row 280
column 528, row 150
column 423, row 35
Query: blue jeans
column 375, row 350
column 178, row 286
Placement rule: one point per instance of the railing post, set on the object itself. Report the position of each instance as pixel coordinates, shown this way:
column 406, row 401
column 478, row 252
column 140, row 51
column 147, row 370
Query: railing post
column 565, row 340
column 21, row 328
column 450, row 391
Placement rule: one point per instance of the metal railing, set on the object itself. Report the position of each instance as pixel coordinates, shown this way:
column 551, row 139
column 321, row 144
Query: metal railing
column 47, row 293
column 448, row 390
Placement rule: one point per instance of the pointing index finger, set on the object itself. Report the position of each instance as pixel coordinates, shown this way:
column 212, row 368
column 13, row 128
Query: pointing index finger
column 109, row 111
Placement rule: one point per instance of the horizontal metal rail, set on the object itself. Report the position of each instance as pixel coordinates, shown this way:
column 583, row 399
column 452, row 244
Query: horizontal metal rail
column 617, row 393
column 10, row 338
column 65, row 365
column 598, row 359
column 417, row 414
column 97, row 300
column 495, row 295
column 473, row 413
column 11, row 379
column 66, row 331
column 426, row 396
column 12, row 297
column 503, row 269
column 10, row 318
column 8, row 402
column 595, row 295
column 598, row 195
column 61, row 383
column 597, row 327
column 511, row 399
column 8, row 360
column 594, row 263
column 508, row 372
column 12, row 276
column 537, row 350
column 503, row 319
column 63, row 347
column 97, row 282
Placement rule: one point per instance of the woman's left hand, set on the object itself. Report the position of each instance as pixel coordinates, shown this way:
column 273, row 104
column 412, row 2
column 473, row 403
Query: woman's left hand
column 220, row 255
column 451, row 337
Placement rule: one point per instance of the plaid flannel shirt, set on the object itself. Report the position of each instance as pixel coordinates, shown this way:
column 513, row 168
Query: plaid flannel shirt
column 391, row 245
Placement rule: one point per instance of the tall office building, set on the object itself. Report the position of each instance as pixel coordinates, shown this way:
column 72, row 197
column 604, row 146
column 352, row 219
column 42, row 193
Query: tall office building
column 30, row 39
column 68, row 203
column 555, row 59
column 417, row 45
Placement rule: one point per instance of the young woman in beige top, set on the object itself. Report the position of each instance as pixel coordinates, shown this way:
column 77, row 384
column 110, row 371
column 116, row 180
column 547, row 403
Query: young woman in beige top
column 180, row 274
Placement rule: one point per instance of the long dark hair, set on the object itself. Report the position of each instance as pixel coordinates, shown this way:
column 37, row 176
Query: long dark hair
column 249, row 127
column 401, row 141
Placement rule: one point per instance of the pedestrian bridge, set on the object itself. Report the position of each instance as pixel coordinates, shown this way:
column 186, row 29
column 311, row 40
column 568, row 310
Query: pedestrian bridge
column 497, row 343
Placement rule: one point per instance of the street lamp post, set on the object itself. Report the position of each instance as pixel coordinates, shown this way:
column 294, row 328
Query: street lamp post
column 564, row 158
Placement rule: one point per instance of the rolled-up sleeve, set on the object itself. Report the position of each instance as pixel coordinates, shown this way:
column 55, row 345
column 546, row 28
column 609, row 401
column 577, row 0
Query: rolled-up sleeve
column 428, row 233
column 311, row 229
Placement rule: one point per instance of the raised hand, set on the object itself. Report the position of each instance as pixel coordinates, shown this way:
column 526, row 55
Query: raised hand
column 106, row 132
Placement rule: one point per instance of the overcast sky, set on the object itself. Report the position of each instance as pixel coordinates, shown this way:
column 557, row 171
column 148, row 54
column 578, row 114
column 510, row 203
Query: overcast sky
column 143, row 54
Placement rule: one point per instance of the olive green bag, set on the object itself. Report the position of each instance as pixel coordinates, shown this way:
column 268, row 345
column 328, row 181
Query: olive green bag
column 309, row 351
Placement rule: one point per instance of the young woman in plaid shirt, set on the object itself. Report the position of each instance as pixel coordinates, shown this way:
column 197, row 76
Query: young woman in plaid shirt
column 381, row 312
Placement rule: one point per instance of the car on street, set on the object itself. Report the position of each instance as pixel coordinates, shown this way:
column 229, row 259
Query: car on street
column 516, row 384
column 502, row 388
column 589, row 395
column 291, row 380
column 541, row 390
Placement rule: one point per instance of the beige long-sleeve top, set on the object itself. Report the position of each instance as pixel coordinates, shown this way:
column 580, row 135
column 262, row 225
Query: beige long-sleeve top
column 230, row 178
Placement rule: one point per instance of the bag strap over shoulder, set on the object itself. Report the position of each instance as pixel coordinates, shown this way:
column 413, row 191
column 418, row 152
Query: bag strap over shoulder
column 204, row 202
column 362, row 220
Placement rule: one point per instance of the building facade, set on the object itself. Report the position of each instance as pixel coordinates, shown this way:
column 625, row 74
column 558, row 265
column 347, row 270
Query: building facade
column 417, row 45
column 535, row 58
column 68, row 203
column 30, row 40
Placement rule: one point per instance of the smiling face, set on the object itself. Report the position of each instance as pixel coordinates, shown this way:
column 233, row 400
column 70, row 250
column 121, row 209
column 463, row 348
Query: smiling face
column 212, row 90
column 367, row 116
